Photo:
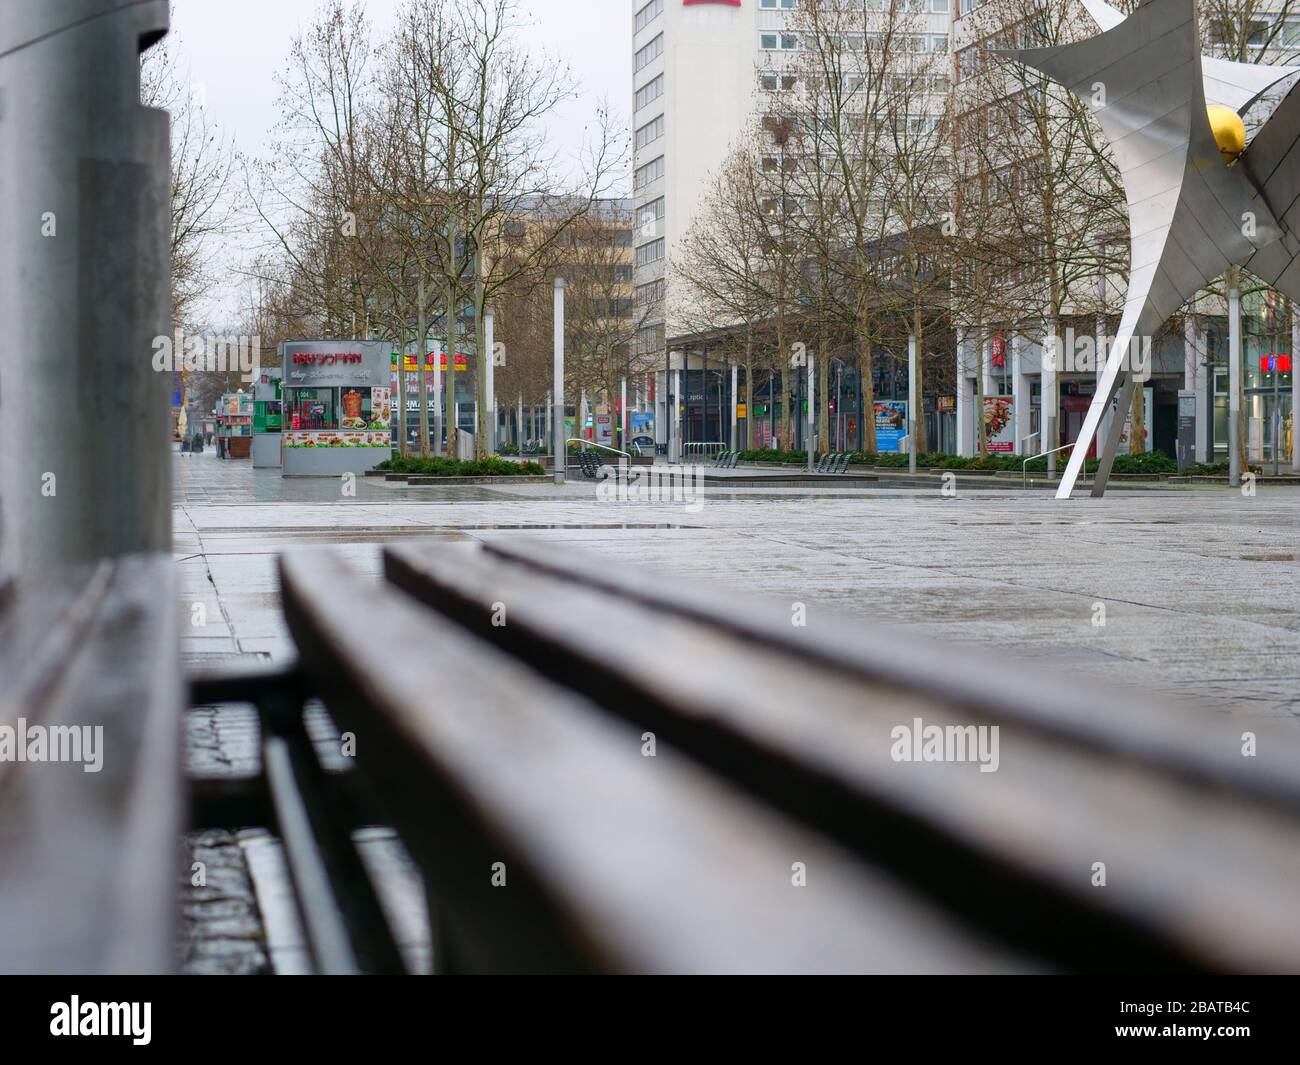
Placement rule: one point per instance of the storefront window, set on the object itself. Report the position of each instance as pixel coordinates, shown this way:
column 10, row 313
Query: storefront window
column 312, row 408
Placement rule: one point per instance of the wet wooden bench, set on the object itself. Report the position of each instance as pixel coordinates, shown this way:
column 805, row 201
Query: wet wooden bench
column 597, row 770
column 90, row 855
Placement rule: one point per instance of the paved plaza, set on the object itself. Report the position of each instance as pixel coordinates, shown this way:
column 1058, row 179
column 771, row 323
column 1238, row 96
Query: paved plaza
column 1199, row 585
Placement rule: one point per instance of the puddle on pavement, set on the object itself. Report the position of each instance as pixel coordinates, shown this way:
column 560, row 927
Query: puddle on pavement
column 1269, row 558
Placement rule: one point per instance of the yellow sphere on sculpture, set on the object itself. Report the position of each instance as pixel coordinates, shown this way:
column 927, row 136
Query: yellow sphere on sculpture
column 1229, row 131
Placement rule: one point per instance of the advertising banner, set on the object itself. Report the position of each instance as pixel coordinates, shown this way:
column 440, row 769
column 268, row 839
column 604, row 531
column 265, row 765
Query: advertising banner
column 1000, row 424
column 891, row 425
column 1148, row 401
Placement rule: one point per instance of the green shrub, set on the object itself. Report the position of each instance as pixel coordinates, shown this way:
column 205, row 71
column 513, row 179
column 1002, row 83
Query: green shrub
column 444, row 467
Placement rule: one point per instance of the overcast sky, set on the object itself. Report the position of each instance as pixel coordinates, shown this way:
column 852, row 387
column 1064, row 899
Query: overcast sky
column 234, row 47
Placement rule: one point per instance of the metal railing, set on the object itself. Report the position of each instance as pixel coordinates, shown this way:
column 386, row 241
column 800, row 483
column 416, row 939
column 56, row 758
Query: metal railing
column 1024, row 466
column 703, row 447
column 603, row 447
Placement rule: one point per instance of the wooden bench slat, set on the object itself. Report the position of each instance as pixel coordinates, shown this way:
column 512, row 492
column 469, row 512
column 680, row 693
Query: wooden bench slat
column 1024, row 838
column 1110, row 721
column 614, row 861
column 89, row 861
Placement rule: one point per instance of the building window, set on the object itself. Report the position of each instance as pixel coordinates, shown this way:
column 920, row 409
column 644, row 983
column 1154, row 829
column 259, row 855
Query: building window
column 773, row 5
column 650, row 132
column 651, row 212
column 650, row 340
column 777, row 82
column 646, row 295
column 650, row 12
column 647, row 55
column 651, row 172
column 650, row 253
column 778, row 42
column 649, row 92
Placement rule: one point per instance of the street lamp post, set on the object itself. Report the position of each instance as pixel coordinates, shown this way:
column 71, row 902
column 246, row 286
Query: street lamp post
column 557, row 418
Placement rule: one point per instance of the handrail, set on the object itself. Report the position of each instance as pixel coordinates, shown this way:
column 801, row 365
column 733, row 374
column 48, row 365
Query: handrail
column 603, row 447
column 1024, row 466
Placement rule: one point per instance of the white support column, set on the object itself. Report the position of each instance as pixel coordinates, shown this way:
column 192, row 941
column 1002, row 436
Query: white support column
column 1234, row 385
column 488, row 360
column 965, row 400
column 735, row 375
column 560, row 460
column 676, row 414
column 1047, row 412
column 1295, row 387
column 913, row 415
column 519, row 424
column 437, row 395
column 623, row 418
column 1196, row 378
column 1100, row 356
column 991, row 386
column 1020, row 392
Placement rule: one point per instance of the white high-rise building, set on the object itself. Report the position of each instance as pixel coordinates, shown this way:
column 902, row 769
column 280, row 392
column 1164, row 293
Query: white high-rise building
column 694, row 88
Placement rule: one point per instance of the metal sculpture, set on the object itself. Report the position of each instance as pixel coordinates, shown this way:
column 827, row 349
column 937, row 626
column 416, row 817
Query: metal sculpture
column 1192, row 212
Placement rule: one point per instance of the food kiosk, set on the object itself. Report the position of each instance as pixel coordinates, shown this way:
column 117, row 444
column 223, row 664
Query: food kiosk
column 235, row 425
column 267, row 418
column 336, row 406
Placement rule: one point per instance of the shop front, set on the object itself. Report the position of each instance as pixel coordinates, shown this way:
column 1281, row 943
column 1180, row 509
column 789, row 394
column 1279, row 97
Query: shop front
column 267, row 418
column 235, row 425
column 336, row 407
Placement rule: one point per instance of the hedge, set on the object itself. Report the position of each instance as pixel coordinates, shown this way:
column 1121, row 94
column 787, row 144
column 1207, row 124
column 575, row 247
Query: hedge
column 443, row 467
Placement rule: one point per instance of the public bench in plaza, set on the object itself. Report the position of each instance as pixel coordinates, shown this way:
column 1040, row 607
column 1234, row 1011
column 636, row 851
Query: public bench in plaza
column 597, row 770
column 92, row 799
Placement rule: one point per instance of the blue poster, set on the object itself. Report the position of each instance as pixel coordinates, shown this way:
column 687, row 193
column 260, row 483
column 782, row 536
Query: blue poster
column 891, row 425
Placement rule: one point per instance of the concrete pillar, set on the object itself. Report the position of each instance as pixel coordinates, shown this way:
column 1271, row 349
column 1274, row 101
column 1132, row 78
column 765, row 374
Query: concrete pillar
column 966, row 431
column 1197, row 378
column 623, row 416
column 1234, row 384
column 735, row 396
column 1295, row 387
column 1047, row 412
column 560, row 452
column 1020, row 393
column 86, row 343
column 488, row 360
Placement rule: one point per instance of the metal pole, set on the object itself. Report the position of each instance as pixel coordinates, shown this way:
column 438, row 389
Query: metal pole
column 519, row 425
column 421, row 353
column 557, row 417
column 735, row 369
column 488, row 359
column 808, row 431
column 1277, row 414
column 85, row 428
column 1295, row 388
column 911, row 402
column 675, row 444
column 1234, row 385
column 437, row 396
column 622, row 407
